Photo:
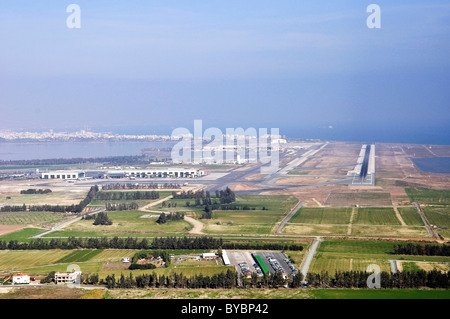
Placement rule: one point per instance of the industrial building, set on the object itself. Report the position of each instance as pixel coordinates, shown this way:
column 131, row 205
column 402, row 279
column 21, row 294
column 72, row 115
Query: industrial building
column 66, row 175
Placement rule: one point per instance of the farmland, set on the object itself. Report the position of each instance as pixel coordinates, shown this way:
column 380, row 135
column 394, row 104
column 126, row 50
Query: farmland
column 410, row 216
column 429, row 196
column 376, row 216
column 345, row 255
column 322, row 216
column 31, row 218
column 256, row 221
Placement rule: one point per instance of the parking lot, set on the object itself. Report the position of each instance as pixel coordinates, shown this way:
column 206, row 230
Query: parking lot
column 244, row 262
column 277, row 261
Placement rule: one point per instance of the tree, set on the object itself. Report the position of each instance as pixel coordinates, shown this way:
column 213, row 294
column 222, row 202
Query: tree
column 102, row 219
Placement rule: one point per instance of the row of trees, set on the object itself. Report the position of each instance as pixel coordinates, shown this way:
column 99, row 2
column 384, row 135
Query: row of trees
column 115, row 243
column 421, row 249
column 204, row 242
column 121, row 206
column 127, row 195
column 55, row 208
column 33, row 191
column 264, row 246
column 226, row 280
column 163, row 218
column 226, row 196
column 121, row 186
column 358, row 279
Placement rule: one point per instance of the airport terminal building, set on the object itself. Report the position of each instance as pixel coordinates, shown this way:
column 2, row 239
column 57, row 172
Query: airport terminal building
column 125, row 173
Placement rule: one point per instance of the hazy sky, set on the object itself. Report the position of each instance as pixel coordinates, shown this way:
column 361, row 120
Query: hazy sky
column 305, row 67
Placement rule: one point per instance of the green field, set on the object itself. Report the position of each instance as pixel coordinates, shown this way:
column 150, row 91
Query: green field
column 410, row 216
column 428, row 196
column 22, row 235
column 256, row 221
column 80, row 255
column 31, row 218
column 345, row 255
column 439, row 216
column 311, row 229
column 125, row 223
column 389, row 231
column 322, row 216
column 375, row 216
column 19, row 259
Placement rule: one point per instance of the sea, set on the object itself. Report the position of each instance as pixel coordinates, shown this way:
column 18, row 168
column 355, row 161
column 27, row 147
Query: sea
column 439, row 165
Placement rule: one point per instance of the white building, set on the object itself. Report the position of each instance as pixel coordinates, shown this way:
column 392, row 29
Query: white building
column 66, row 175
column 20, row 279
column 126, row 259
column 226, row 260
column 68, row 278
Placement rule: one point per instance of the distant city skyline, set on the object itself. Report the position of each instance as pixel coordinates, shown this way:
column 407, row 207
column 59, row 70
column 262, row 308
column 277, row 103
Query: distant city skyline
column 312, row 69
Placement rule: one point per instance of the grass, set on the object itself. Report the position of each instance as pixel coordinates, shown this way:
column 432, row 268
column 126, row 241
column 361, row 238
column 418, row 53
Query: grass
column 376, row 216
column 65, row 196
column 279, row 294
column 187, row 271
column 410, row 216
column 80, row 255
column 31, row 218
column 322, row 216
column 410, row 266
column 428, row 196
column 380, row 293
column 391, row 231
column 125, row 223
column 22, row 235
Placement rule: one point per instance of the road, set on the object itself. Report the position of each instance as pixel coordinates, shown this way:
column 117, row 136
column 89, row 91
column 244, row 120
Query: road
column 289, row 216
column 66, row 223
column 309, row 257
column 431, row 233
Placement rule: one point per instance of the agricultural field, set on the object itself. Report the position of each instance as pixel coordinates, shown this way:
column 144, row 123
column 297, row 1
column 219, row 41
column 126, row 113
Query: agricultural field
column 345, row 255
column 439, row 216
column 359, row 198
column 410, row 216
column 19, row 260
column 375, row 216
column 256, row 221
column 125, row 223
column 41, row 219
column 22, row 235
column 391, row 231
column 322, row 216
column 428, row 196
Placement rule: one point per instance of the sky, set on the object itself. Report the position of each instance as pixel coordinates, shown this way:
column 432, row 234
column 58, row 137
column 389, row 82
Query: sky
column 313, row 69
